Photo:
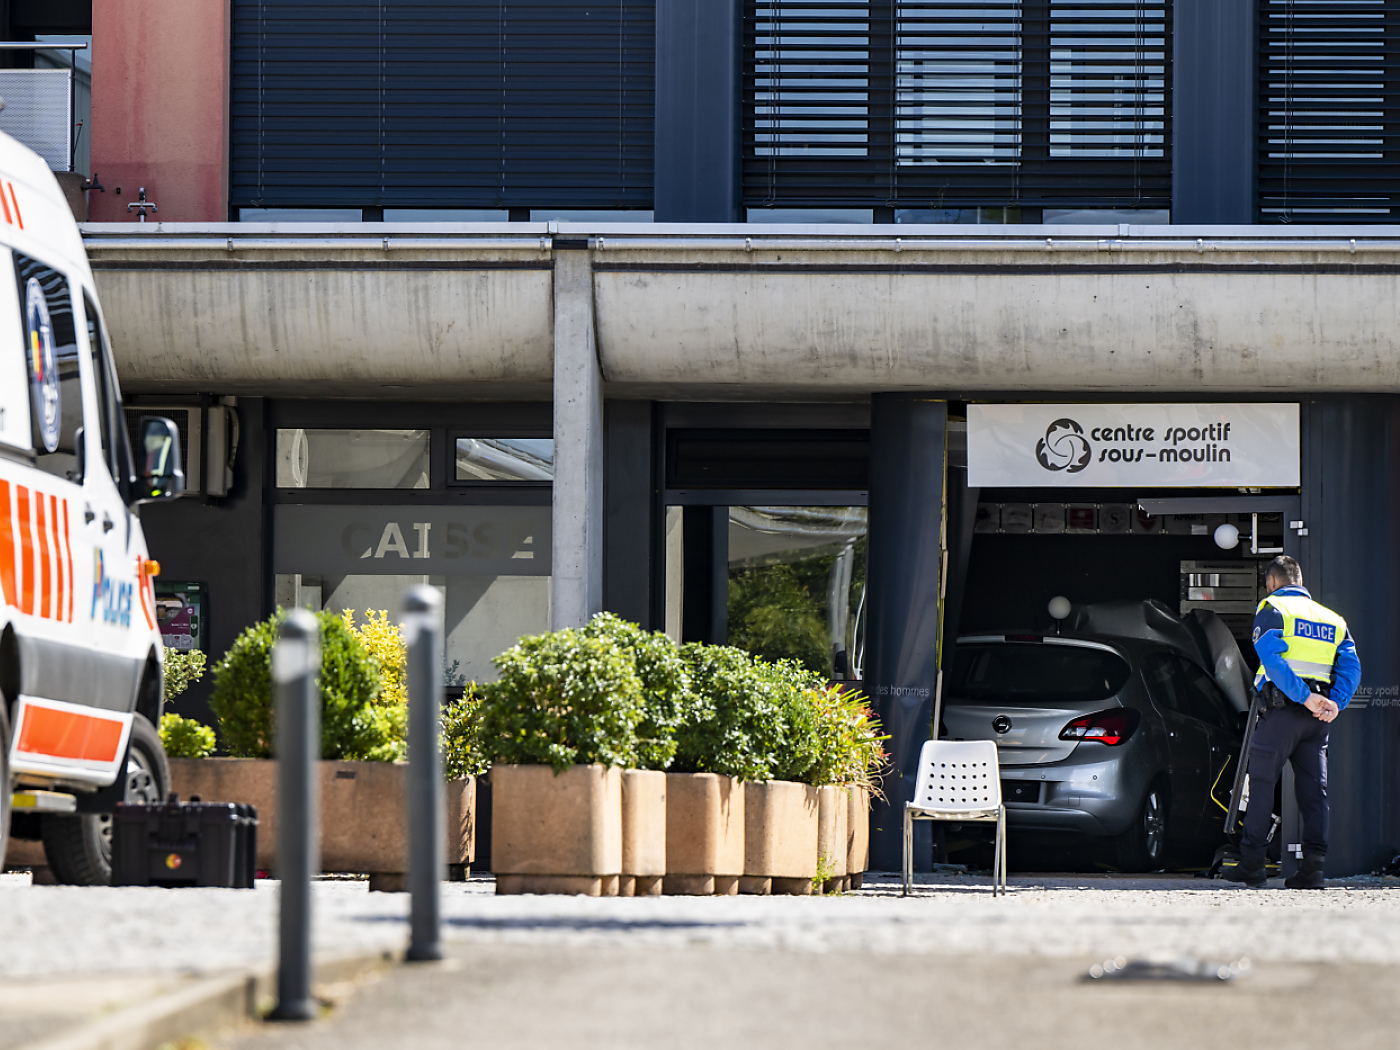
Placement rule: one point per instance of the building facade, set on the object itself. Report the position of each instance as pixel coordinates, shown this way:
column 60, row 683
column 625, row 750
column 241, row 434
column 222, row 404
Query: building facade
column 691, row 311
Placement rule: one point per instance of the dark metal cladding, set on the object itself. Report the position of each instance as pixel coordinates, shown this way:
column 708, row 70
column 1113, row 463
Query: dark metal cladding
column 907, row 435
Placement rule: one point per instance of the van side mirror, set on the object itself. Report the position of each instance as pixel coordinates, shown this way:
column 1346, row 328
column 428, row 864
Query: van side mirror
column 158, row 472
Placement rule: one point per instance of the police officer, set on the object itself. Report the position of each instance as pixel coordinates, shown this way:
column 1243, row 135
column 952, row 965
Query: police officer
column 1308, row 671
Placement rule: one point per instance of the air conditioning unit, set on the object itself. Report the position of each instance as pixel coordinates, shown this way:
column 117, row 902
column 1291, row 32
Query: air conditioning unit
column 208, row 441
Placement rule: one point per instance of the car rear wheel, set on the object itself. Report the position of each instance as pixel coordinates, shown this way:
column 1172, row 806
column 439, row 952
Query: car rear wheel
column 1143, row 847
column 79, row 848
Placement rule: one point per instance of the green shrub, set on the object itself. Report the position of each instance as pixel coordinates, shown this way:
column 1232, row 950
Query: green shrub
column 734, row 723
column 665, row 685
column 850, row 747
column 352, row 727
column 461, row 738
column 181, row 668
column 564, row 698
column 184, row 737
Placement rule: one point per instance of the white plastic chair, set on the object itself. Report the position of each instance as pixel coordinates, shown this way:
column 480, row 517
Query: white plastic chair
column 958, row 780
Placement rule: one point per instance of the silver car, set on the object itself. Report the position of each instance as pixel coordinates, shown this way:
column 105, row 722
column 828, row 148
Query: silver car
column 1113, row 730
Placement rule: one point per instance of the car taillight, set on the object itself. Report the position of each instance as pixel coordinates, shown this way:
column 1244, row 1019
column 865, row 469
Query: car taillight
column 1106, row 727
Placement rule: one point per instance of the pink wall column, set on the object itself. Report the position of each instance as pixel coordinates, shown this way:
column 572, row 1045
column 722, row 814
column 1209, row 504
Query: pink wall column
column 160, row 104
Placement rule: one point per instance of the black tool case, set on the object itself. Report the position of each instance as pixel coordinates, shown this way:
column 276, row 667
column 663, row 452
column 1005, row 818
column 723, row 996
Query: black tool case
column 176, row 843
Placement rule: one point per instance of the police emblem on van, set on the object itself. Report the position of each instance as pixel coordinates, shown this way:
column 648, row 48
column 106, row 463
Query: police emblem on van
column 110, row 597
column 43, row 367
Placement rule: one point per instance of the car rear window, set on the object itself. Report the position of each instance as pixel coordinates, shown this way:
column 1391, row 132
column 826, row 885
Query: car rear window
column 1035, row 671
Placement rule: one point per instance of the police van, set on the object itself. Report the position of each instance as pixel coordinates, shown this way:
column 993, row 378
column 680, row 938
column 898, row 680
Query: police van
column 80, row 654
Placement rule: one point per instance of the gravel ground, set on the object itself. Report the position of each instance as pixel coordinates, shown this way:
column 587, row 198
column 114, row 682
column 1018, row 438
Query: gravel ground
column 55, row 930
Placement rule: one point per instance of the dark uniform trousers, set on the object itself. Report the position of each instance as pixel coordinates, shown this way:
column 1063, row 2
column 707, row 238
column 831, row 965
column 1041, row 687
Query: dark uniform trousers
column 1288, row 733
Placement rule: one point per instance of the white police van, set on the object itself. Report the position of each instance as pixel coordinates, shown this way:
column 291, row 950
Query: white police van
column 80, row 655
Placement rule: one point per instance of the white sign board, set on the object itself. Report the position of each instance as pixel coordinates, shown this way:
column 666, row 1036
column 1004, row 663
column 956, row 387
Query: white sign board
column 1140, row 446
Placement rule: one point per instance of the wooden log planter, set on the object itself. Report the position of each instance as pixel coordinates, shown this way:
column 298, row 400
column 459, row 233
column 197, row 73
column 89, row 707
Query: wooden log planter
column 704, row 834
column 364, row 829
column 556, row 833
column 780, row 837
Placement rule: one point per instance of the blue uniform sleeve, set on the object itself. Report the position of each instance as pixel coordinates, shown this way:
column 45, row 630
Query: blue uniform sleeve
column 1270, row 646
column 1346, row 673
column 1267, row 618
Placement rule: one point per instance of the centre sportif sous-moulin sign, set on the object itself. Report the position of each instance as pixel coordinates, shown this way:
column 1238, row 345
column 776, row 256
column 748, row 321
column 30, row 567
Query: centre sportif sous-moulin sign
column 1109, row 446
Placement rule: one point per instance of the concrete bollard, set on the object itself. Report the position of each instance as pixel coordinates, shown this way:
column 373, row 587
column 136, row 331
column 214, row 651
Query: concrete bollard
column 422, row 624
column 296, row 660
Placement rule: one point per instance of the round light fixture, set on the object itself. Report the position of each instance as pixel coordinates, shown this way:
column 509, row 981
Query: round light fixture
column 1060, row 607
column 1227, row 537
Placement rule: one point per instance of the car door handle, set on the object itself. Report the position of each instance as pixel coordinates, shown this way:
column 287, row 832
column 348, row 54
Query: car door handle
column 88, row 515
column 107, row 524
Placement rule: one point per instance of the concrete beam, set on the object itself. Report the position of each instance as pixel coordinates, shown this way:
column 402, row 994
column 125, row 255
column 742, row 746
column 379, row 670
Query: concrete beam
column 576, row 589
column 756, row 312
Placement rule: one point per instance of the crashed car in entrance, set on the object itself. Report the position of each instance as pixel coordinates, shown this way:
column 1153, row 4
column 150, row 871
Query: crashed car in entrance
column 1124, row 728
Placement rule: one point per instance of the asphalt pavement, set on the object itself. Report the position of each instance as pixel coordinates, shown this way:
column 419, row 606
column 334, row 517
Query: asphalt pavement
column 771, row 971
column 516, row 996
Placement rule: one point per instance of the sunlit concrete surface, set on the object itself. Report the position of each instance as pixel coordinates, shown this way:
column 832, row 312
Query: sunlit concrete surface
column 56, row 930
column 33, row 1009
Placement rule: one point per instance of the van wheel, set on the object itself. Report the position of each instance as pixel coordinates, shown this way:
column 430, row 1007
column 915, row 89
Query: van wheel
column 79, row 848
column 1143, row 847
column 6, row 787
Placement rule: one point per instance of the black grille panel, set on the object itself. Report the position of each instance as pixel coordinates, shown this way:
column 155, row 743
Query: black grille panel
column 1329, row 111
column 934, row 104
column 442, row 103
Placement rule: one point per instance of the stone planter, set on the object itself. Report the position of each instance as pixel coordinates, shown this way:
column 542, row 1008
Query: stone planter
column 704, row 834
column 643, row 833
column 833, row 813
column 363, row 823
column 780, row 837
column 556, row 834
column 857, row 836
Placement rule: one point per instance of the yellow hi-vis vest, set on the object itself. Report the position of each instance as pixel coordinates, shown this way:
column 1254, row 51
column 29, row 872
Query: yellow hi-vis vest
column 1312, row 632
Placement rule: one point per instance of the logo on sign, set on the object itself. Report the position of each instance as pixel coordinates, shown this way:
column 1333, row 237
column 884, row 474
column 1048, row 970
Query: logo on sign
column 1064, row 447
column 43, row 367
column 1318, row 632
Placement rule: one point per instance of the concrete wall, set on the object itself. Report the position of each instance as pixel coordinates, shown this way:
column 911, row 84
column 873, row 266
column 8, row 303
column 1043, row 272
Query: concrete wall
column 160, row 118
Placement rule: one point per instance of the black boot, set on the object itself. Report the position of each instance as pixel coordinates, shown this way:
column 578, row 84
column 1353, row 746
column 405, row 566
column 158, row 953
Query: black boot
column 1249, row 869
column 1309, row 875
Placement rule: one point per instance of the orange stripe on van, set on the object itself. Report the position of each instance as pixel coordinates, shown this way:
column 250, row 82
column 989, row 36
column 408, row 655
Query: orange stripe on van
column 68, row 558
column 15, row 200
column 64, row 583
column 68, row 734
column 46, row 580
column 7, row 547
column 26, row 553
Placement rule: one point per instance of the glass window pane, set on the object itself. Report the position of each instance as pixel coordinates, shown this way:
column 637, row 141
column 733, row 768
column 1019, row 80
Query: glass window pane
column 505, row 459
column 484, row 615
column 55, row 390
column 797, row 585
column 1045, row 673
column 352, row 459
